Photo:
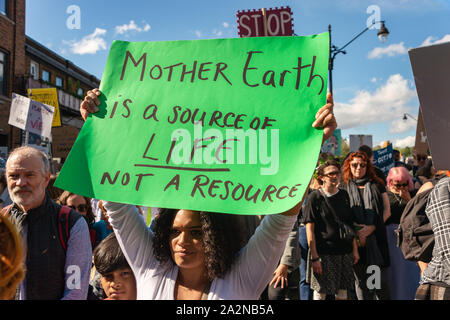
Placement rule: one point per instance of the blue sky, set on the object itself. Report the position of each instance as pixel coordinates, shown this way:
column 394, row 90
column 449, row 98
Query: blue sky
column 373, row 83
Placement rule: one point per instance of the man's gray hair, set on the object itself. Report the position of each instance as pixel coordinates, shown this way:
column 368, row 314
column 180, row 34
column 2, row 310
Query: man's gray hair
column 28, row 151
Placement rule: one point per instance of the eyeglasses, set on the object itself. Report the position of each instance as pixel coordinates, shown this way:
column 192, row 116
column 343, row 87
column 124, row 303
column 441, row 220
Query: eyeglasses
column 80, row 208
column 332, row 174
column 399, row 185
column 355, row 165
column 420, row 158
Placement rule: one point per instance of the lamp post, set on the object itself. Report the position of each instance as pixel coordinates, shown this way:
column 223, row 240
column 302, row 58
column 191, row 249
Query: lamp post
column 334, row 51
column 406, row 118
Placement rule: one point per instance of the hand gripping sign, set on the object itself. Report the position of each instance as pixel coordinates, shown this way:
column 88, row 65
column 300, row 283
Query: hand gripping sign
column 215, row 125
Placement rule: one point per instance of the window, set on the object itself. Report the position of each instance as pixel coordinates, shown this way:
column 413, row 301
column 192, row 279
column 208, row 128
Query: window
column 34, row 70
column 59, row 82
column 3, row 73
column 45, row 75
column 4, row 7
column 80, row 92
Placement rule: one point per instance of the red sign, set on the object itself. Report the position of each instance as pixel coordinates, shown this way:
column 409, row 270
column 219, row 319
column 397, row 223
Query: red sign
column 265, row 22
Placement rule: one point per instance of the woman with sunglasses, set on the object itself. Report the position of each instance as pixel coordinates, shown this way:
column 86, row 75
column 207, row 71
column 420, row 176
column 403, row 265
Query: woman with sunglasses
column 82, row 205
column 370, row 205
column 331, row 257
column 403, row 275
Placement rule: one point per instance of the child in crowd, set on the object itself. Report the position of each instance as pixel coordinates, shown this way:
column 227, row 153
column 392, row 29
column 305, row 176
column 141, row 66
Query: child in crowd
column 116, row 276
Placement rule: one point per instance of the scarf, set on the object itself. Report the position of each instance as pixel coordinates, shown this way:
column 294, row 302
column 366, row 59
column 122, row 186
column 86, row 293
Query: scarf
column 365, row 208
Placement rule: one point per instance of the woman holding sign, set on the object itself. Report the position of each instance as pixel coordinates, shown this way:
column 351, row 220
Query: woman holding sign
column 196, row 255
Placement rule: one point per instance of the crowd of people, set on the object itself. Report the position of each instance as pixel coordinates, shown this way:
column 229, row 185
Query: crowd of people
column 339, row 242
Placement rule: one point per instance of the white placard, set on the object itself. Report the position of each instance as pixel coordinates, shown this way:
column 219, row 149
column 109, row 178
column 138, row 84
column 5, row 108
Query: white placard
column 30, row 115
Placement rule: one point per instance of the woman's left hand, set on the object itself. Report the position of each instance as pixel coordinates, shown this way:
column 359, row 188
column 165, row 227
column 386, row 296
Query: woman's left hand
column 280, row 275
column 325, row 118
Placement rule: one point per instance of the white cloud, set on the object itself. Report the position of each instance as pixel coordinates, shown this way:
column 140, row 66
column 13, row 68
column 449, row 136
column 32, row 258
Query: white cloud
column 198, row 33
column 225, row 24
column 373, row 80
column 405, row 142
column 400, row 125
column 132, row 26
column 89, row 44
column 392, row 50
column 387, row 104
column 432, row 40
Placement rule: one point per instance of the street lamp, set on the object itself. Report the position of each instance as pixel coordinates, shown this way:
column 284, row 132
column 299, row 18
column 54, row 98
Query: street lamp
column 382, row 34
column 407, row 114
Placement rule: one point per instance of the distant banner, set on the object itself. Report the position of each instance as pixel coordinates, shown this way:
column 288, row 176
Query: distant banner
column 333, row 145
column 384, row 159
column 63, row 140
column 357, row 140
column 221, row 125
column 48, row 96
column 30, row 115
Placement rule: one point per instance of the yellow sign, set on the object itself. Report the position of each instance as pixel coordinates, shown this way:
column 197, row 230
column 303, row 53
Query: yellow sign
column 47, row 96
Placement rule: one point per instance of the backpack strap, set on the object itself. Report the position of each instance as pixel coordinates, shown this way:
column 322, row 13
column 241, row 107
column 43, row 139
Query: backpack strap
column 63, row 226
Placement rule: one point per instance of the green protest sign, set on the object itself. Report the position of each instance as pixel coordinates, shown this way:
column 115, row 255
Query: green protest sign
column 216, row 125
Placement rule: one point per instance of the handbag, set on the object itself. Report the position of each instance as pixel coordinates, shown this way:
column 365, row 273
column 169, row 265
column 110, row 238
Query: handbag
column 345, row 232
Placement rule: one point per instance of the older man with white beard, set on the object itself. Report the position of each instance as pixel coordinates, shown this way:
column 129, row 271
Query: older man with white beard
column 58, row 248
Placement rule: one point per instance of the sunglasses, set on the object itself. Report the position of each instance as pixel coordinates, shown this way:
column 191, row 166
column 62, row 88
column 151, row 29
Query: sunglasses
column 399, row 185
column 355, row 165
column 421, row 158
column 332, row 174
column 79, row 208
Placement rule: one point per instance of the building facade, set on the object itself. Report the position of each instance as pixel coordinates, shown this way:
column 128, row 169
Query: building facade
column 27, row 64
column 12, row 67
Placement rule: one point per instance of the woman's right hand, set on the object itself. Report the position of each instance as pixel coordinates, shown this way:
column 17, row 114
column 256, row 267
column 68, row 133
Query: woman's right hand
column 317, row 267
column 90, row 103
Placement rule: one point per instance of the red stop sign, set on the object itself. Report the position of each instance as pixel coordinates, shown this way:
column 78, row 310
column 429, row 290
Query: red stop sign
column 275, row 22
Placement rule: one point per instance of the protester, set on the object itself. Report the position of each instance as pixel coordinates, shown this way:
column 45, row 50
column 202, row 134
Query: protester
column 331, row 257
column 116, row 276
column 403, row 275
column 305, row 292
column 196, row 255
column 369, row 153
column 11, row 259
column 425, row 173
column 53, row 191
column 56, row 269
column 370, row 204
column 102, row 228
column 398, row 162
column 5, row 200
column 435, row 283
column 419, row 161
column 282, row 281
column 81, row 205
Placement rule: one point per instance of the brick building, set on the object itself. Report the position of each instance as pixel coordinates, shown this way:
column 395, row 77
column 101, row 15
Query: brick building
column 12, row 66
column 24, row 64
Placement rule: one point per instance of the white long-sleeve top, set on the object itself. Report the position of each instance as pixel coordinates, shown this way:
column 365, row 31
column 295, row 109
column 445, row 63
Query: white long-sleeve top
column 247, row 278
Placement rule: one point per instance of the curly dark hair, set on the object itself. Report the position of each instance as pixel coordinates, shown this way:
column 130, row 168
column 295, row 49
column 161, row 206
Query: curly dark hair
column 222, row 239
column 321, row 169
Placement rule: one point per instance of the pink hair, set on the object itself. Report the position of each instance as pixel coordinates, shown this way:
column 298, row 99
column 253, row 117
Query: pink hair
column 399, row 174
